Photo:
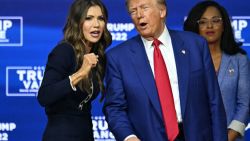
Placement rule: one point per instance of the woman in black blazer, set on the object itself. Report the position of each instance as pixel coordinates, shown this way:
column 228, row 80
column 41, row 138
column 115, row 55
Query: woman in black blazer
column 74, row 73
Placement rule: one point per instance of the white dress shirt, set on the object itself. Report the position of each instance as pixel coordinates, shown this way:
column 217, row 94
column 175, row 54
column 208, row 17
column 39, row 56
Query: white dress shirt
column 168, row 55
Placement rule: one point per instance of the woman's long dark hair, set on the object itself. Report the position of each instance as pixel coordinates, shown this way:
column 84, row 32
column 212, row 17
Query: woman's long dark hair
column 228, row 43
column 73, row 34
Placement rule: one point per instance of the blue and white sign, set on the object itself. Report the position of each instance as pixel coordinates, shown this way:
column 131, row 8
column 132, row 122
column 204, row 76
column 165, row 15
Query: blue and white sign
column 11, row 31
column 241, row 25
column 30, row 29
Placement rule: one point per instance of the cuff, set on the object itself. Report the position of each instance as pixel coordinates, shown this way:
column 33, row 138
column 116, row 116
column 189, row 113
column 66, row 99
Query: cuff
column 238, row 127
column 130, row 136
column 73, row 87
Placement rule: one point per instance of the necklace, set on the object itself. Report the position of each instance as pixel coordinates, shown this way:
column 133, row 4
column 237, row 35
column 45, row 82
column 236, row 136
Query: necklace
column 90, row 94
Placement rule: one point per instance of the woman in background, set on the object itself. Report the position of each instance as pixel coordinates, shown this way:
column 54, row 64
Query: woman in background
column 210, row 20
column 74, row 73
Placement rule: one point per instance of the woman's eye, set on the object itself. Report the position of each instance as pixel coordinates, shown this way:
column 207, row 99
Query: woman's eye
column 101, row 18
column 88, row 18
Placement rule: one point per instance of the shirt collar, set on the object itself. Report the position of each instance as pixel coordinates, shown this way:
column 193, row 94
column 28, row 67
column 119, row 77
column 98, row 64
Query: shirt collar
column 164, row 38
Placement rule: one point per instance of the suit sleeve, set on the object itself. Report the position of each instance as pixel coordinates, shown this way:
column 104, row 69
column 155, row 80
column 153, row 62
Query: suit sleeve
column 56, row 83
column 115, row 104
column 218, row 115
column 243, row 96
column 241, row 114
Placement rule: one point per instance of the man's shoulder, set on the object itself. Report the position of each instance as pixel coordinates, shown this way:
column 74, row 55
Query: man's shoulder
column 130, row 41
column 125, row 45
column 185, row 35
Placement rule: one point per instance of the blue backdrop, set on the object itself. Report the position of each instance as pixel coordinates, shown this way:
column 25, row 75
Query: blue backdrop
column 30, row 29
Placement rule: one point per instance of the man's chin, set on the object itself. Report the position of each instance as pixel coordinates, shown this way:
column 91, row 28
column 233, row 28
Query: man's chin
column 147, row 36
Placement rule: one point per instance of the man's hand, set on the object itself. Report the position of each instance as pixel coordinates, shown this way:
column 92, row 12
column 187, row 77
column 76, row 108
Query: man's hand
column 133, row 139
column 232, row 135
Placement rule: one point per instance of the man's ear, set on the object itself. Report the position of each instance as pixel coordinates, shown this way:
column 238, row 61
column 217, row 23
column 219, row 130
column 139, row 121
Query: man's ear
column 163, row 11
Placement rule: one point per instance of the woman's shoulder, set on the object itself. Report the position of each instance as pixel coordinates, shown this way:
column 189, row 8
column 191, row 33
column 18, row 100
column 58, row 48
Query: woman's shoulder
column 241, row 57
column 62, row 51
column 238, row 58
column 63, row 46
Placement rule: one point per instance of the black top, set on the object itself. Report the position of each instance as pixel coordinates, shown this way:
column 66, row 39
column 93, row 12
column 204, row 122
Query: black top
column 66, row 121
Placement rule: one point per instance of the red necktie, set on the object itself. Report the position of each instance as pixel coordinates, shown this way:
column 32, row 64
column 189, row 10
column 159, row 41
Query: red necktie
column 165, row 93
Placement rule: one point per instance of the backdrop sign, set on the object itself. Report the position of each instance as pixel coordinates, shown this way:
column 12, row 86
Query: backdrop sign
column 27, row 35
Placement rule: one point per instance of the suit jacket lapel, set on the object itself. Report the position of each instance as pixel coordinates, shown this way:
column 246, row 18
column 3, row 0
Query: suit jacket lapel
column 181, row 54
column 142, row 67
column 223, row 67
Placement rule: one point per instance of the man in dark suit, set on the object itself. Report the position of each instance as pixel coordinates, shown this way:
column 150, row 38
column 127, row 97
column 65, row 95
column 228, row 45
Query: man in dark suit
column 135, row 105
